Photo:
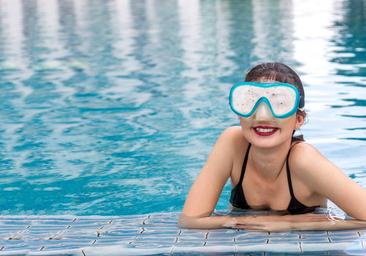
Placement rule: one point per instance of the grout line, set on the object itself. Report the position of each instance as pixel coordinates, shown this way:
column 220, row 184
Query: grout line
column 235, row 246
column 301, row 249
column 147, row 218
column 205, row 239
column 133, row 240
column 362, row 241
column 206, row 235
column 174, row 242
column 171, row 250
column 329, row 239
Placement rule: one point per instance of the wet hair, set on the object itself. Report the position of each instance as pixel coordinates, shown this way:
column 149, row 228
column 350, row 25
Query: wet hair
column 277, row 72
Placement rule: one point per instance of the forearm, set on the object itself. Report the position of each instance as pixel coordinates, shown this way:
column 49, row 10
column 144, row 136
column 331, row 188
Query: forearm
column 271, row 223
column 328, row 225
column 208, row 222
column 274, row 223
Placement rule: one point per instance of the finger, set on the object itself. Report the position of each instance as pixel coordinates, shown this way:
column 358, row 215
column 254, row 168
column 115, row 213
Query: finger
column 249, row 226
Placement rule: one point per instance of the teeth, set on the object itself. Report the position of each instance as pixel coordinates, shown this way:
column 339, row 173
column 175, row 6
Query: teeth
column 264, row 129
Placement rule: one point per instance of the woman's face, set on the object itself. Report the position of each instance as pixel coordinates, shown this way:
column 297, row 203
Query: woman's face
column 263, row 130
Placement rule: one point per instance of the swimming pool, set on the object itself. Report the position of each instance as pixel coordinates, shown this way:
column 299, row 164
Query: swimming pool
column 111, row 107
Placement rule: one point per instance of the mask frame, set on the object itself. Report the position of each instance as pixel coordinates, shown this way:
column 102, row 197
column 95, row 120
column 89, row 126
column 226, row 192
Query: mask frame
column 265, row 88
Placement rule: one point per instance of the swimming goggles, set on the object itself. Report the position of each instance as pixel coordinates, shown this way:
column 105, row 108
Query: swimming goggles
column 281, row 98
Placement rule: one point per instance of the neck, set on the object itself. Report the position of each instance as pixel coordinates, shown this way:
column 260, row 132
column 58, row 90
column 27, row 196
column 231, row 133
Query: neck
column 268, row 162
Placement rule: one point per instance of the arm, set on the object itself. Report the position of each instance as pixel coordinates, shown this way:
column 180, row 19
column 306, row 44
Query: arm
column 208, row 222
column 309, row 221
column 327, row 180
column 276, row 223
column 205, row 191
column 329, row 225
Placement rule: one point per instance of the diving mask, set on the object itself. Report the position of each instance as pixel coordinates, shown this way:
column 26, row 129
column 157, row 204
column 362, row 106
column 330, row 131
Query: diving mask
column 282, row 99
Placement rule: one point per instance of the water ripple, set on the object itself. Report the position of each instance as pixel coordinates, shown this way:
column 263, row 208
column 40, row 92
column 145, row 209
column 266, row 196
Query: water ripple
column 111, row 107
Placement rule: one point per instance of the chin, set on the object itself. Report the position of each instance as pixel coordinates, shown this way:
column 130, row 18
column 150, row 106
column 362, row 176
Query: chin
column 264, row 144
column 267, row 141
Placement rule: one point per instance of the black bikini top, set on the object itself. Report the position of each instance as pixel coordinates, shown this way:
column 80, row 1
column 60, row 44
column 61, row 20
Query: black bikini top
column 237, row 198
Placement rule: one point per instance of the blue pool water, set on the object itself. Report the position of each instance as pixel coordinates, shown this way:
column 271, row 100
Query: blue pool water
column 111, row 107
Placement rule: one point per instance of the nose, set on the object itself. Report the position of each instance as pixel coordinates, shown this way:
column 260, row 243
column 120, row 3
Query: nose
column 263, row 113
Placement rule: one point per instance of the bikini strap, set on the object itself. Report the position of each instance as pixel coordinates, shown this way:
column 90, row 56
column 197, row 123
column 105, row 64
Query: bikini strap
column 288, row 170
column 289, row 176
column 244, row 165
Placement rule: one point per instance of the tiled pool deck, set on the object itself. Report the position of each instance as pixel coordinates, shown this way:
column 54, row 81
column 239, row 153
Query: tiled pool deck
column 159, row 234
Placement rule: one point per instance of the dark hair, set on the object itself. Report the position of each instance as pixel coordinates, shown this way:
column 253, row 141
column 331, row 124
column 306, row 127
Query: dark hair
column 277, row 72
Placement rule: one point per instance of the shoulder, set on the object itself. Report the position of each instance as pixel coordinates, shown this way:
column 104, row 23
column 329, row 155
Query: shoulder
column 232, row 133
column 325, row 179
column 233, row 137
column 307, row 163
column 230, row 142
column 303, row 155
column 303, row 150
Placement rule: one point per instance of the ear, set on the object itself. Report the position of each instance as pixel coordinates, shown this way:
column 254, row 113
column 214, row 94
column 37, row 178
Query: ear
column 299, row 121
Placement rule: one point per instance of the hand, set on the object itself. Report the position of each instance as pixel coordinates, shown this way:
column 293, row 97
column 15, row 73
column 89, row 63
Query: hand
column 277, row 223
column 272, row 223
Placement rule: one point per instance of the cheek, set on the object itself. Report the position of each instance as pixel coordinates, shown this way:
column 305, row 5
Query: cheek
column 288, row 123
column 245, row 122
column 245, row 125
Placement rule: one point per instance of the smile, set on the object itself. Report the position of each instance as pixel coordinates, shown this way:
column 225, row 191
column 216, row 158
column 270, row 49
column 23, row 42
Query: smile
column 264, row 130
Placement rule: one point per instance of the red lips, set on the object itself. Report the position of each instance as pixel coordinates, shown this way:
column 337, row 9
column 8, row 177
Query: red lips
column 264, row 130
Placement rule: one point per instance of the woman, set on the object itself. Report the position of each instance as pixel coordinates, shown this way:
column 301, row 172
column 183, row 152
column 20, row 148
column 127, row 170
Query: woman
column 270, row 168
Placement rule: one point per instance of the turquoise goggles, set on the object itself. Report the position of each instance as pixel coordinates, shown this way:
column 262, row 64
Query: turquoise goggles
column 282, row 99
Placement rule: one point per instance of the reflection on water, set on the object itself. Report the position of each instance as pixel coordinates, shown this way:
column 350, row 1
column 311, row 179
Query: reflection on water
column 111, row 107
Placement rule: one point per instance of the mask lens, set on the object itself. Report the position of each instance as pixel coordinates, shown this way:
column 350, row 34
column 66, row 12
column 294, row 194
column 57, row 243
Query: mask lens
column 244, row 98
column 282, row 99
